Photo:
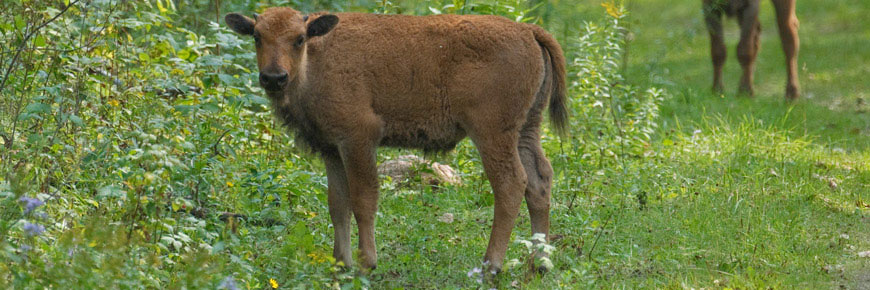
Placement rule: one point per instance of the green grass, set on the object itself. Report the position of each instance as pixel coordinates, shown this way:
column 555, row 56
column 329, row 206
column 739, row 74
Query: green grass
column 671, row 49
column 746, row 201
column 727, row 192
column 785, row 227
column 739, row 190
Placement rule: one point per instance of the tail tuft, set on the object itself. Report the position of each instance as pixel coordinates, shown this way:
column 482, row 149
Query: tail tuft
column 558, row 97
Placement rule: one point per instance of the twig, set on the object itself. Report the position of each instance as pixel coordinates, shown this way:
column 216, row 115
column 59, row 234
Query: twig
column 214, row 148
column 6, row 141
column 598, row 236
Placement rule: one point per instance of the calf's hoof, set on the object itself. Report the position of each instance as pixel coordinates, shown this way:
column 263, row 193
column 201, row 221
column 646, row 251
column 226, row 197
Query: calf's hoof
column 491, row 268
column 543, row 262
column 540, row 270
column 368, row 264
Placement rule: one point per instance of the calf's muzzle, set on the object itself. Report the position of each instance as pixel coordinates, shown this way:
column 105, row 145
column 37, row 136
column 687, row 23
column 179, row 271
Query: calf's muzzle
column 273, row 81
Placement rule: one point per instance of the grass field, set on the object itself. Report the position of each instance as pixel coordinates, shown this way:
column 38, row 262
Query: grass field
column 759, row 212
column 673, row 187
column 765, row 193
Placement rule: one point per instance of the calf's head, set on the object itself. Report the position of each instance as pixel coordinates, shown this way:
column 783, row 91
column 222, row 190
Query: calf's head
column 280, row 35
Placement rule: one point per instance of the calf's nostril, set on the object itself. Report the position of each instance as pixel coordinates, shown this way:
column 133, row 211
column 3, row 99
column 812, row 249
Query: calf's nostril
column 281, row 78
column 273, row 79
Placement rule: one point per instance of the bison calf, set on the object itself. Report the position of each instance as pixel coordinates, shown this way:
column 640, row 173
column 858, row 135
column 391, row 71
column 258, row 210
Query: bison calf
column 347, row 83
column 747, row 14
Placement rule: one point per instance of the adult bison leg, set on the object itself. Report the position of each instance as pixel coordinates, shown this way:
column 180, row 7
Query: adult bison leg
column 788, row 33
column 339, row 208
column 501, row 161
column 358, row 153
column 713, row 17
column 747, row 49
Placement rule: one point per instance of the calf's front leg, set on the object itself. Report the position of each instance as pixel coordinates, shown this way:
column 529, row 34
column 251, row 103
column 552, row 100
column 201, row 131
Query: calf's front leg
column 339, row 207
column 358, row 154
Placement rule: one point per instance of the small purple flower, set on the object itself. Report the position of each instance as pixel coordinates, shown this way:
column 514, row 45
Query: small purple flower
column 25, row 248
column 30, row 203
column 228, row 283
column 33, row 229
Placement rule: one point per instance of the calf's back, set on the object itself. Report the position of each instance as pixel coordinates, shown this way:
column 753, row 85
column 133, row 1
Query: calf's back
column 426, row 78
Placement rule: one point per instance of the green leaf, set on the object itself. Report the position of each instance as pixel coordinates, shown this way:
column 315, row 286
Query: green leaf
column 218, row 247
column 39, row 41
column 19, row 22
column 227, row 79
column 259, row 100
column 184, row 108
column 160, row 7
column 76, row 120
column 211, row 107
column 92, row 202
column 110, row 191
column 37, row 108
column 184, row 54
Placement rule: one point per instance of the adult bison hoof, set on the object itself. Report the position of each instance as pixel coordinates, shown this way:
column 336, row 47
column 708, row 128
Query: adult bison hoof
column 717, row 89
column 792, row 92
column 746, row 90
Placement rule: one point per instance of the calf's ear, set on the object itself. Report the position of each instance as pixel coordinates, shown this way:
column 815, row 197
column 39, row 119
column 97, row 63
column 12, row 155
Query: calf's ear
column 321, row 25
column 240, row 24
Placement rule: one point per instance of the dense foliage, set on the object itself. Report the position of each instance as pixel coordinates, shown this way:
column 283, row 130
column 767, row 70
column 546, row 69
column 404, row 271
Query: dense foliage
column 139, row 152
column 140, row 128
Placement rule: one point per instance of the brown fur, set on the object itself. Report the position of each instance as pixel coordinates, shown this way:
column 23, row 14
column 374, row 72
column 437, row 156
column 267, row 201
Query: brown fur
column 417, row 82
column 750, row 29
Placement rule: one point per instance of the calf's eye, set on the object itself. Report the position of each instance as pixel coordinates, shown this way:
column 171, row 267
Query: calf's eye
column 299, row 41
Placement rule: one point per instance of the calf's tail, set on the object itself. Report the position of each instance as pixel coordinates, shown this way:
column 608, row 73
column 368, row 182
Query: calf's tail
column 558, row 98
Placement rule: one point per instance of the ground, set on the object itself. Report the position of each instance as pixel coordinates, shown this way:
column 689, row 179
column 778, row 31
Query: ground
column 166, row 169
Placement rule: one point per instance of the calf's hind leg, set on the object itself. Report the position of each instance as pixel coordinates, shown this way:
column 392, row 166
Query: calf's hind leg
column 788, row 27
column 540, row 177
column 501, row 162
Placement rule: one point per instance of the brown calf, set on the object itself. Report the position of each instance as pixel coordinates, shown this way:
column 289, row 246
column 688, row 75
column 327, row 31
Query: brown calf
column 750, row 29
column 347, row 83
